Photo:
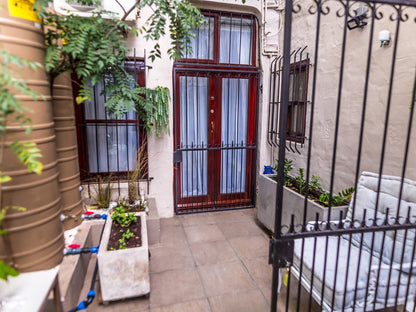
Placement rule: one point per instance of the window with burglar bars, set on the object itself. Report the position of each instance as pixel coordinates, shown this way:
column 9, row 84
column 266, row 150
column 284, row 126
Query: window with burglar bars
column 215, row 91
column 297, row 101
column 226, row 38
column 107, row 144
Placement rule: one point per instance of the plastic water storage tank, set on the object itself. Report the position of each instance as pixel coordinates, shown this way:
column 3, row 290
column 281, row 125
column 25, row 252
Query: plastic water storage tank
column 34, row 239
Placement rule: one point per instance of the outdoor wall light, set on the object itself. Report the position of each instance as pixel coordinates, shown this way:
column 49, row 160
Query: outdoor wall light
column 384, row 38
column 358, row 20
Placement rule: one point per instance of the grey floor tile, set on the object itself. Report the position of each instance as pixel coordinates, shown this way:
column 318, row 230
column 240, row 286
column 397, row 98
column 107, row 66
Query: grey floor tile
column 191, row 306
column 175, row 221
column 213, row 252
column 197, row 219
column 247, row 301
column 260, row 270
column 250, row 246
column 174, row 286
column 241, row 228
column 170, row 258
column 225, row 277
column 231, row 216
column 172, row 236
column 203, row 233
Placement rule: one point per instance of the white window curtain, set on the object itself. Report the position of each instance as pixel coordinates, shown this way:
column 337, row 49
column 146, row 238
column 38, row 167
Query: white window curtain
column 203, row 43
column 111, row 148
column 234, row 134
column 236, row 40
column 193, row 133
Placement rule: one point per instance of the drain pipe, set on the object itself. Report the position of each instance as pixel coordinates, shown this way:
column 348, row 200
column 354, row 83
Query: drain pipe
column 91, row 294
column 77, row 251
column 88, row 215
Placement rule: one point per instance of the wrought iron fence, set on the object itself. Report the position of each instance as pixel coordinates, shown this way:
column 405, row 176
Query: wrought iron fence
column 360, row 133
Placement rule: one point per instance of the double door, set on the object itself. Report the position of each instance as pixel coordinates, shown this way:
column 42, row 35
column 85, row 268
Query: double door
column 215, row 140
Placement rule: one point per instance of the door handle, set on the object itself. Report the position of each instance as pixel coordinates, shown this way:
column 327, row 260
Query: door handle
column 212, row 127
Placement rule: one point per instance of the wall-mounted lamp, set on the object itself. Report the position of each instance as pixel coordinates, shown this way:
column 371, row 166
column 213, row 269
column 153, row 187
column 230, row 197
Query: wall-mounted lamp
column 384, row 38
column 358, row 20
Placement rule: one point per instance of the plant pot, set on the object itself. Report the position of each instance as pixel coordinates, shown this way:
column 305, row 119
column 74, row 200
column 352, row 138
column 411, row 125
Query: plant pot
column 293, row 203
column 124, row 273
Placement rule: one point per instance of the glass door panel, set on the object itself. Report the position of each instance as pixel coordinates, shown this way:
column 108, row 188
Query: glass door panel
column 234, row 121
column 193, row 135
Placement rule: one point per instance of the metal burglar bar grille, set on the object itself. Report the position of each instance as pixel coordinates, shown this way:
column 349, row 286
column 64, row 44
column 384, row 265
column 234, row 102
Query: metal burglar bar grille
column 297, row 104
column 360, row 130
column 215, row 91
column 107, row 144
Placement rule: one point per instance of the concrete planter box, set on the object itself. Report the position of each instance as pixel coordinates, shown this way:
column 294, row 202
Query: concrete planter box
column 293, row 203
column 124, row 273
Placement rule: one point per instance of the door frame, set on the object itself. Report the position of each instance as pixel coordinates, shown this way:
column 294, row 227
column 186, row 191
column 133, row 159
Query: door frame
column 226, row 201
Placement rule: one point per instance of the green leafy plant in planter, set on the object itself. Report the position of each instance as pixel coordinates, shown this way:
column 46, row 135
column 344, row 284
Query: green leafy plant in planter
column 342, row 198
column 103, row 192
column 124, row 218
column 315, row 190
column 287, row 168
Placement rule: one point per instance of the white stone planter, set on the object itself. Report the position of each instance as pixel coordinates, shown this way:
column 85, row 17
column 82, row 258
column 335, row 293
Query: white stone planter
column 293, row 203
column 124, row 273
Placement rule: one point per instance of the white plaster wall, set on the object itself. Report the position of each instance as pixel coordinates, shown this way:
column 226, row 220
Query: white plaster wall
column 328, row 75
column 161, row 149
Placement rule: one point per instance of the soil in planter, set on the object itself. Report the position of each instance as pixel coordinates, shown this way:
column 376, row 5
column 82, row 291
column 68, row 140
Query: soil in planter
column 136, row 208
column 117, row 233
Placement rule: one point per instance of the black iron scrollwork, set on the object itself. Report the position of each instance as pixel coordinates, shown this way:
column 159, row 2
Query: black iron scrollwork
column 319, row 6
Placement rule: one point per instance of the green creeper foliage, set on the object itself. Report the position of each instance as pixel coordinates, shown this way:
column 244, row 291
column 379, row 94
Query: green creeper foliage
column 182, row 18
column 11, row 109
column 95, row 49
column 28, row 155
column 5, row 269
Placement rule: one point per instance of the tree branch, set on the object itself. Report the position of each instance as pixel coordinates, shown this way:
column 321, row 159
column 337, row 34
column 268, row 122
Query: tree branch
column 129, row 10
column 121, row 6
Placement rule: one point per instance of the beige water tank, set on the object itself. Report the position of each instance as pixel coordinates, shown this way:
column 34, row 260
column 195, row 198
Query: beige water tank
column 34, row 239
column 66, row 146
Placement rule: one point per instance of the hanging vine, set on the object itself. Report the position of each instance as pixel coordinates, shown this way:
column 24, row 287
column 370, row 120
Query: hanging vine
column 95, row 47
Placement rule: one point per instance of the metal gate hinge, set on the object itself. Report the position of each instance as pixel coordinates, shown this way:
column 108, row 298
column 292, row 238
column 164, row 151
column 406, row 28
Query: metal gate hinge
column 281, row 252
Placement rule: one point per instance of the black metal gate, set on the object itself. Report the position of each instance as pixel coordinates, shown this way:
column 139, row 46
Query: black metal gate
column 353, row 128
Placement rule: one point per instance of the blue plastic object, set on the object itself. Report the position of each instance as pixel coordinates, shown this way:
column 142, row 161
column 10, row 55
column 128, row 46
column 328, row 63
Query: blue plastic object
column 94, row 249
column 268, row 170
column 81, row 306
column 91, row 293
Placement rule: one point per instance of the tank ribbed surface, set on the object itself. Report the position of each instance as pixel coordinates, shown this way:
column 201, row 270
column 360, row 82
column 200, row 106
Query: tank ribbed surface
column 66, row 147
column 34, row 239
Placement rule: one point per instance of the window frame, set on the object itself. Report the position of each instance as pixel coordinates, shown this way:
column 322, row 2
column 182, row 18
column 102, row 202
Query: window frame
column 216, row 42
column 296, row 69
column 82, row 123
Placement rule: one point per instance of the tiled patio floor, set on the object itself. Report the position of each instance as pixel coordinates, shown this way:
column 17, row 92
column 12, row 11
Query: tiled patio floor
column 214, row 262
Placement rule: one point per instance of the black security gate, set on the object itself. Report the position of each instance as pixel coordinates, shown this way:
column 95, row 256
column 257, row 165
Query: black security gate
column 341, row 105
